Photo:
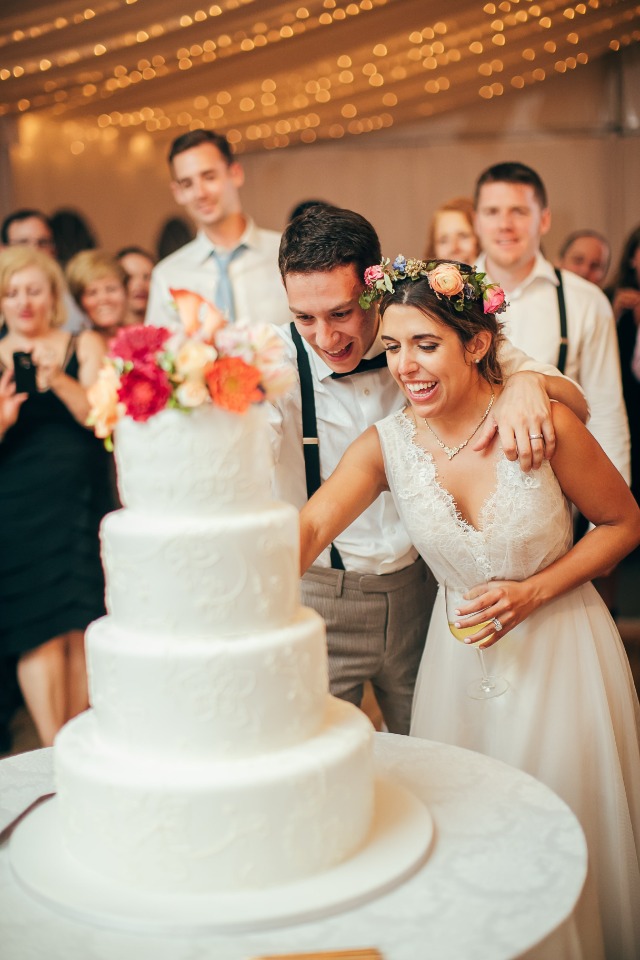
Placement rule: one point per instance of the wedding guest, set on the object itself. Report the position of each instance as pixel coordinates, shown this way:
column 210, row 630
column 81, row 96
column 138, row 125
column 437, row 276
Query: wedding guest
column 232, row 261
column 554, row 315
column 626, row 284
column 371, row 588
column 625, row 294
column 137, row 264
column 503, row 538
column 98, row 284
column 33, row 229
column 452, row 234
column 71, row 234
column 174, row 233
column 51, row 583
column 586, row 253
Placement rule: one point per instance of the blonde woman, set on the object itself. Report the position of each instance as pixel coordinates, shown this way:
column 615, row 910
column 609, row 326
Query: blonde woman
column 98, row 283
column 51, row 583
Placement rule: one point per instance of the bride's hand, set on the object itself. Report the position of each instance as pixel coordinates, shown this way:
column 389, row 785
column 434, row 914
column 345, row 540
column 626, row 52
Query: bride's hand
column 507, row 601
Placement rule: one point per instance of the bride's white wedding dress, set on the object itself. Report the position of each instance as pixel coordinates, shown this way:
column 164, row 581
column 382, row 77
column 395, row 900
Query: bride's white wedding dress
column 570, row 716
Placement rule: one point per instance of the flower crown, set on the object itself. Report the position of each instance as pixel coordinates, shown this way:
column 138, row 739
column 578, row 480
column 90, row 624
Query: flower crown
column 457, row 282
column 207, row 360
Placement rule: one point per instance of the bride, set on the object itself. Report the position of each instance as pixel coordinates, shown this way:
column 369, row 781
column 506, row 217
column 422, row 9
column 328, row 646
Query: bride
column 570, row 714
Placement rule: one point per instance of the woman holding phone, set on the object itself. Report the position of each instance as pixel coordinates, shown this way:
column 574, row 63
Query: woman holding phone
column 51, row 583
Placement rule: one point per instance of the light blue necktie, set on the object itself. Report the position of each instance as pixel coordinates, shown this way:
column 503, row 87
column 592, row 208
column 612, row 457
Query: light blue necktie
column 223, row 298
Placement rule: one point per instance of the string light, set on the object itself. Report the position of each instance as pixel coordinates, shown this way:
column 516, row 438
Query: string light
column 391, row 74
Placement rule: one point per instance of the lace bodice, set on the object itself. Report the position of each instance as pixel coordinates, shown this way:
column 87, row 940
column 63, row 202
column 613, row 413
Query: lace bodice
column 525, row 523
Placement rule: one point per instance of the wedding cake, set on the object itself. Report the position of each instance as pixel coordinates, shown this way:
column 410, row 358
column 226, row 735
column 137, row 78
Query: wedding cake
column 213, row 758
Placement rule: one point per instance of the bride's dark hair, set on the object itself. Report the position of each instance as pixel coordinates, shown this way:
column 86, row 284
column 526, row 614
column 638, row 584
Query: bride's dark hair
column 466, row 323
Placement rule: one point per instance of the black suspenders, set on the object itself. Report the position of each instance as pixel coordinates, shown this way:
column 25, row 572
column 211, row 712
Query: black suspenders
column 564, row 341
column 310, row 447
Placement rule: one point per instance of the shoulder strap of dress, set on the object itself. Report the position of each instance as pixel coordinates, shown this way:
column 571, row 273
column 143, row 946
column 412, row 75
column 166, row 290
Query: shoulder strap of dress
column 71, row 346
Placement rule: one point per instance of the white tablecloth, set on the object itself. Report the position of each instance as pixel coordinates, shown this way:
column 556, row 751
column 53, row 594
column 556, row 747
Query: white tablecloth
column 503, row 876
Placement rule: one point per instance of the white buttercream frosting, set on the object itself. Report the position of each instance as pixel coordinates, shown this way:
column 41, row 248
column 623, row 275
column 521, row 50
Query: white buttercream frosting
column 214, row 758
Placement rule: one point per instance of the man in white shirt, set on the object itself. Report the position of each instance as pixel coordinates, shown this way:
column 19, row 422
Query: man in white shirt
column 373, row 592
column 512, row 216
column 231, row 262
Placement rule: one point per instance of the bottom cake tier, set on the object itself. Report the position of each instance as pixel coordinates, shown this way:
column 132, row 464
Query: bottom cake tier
column 195, row 827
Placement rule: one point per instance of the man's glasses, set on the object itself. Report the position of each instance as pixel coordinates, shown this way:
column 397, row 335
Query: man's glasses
column 42, row 243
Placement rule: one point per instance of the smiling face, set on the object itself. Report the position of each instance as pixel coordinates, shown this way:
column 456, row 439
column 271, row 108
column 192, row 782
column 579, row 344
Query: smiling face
column 428, row 361
column 510, row 223
column 454, row 238
column 207, row 186
column 27, row 303
column 328, row 316
column 138, row 268
column 588, row 257
column 104, row 300
column 32, row 232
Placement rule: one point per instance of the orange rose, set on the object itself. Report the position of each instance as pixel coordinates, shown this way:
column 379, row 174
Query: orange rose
column 198, row 316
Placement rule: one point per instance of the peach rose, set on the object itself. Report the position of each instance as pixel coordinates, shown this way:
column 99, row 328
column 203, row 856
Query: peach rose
column 192, row 393
column 446, row 280
column 105, row 410
column 193, row 356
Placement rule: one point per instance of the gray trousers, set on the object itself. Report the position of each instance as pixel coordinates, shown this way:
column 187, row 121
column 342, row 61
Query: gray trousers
column 376, row 630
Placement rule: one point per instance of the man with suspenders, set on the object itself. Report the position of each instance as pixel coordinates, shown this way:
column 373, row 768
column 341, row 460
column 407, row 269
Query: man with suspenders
column 553, row 315
column 373, row 591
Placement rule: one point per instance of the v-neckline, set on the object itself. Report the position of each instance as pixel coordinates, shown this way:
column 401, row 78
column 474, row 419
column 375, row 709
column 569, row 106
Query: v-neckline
column 446, row 495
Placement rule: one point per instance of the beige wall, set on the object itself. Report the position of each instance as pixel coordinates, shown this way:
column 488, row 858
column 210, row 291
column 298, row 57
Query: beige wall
column 581, row 132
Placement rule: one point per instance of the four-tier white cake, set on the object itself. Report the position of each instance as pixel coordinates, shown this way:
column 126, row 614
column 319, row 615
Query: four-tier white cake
column 214, row 758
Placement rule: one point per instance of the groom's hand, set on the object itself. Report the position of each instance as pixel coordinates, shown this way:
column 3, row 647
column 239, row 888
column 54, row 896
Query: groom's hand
column 522, row 417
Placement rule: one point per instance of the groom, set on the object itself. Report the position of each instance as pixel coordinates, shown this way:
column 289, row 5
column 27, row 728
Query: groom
column 371, row 588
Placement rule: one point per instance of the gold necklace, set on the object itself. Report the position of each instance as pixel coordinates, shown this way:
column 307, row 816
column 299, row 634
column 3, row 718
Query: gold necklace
column 452, row 451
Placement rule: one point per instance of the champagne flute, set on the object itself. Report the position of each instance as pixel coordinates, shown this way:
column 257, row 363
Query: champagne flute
column 487, row 686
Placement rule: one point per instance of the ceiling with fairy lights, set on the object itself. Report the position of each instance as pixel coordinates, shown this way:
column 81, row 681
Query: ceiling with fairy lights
column 271, row 74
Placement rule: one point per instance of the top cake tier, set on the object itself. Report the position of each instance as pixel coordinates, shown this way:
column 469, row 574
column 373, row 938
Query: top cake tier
column 196, row 462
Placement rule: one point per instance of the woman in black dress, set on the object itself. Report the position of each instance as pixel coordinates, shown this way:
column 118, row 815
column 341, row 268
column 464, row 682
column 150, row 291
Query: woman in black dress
column 51, row 494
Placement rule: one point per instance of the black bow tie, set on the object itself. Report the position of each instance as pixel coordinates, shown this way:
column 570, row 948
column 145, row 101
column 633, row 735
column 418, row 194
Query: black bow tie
column 376, row 363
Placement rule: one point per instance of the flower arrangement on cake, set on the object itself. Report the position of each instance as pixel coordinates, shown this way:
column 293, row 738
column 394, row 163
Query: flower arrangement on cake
column 209, row 360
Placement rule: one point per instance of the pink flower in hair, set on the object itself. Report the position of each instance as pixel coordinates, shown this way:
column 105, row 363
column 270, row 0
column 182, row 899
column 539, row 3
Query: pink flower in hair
column 494, row 299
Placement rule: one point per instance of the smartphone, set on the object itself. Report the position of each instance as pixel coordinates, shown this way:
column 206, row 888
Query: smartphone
column 24, row 373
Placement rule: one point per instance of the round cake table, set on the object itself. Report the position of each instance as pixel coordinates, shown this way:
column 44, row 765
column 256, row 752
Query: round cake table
column 502, row 879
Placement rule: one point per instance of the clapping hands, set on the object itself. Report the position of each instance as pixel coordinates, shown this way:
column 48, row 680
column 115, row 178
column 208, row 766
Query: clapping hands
column 47, row 366
column 626, row 298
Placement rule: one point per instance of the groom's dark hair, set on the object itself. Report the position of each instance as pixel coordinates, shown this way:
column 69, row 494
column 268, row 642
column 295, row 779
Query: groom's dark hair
column 325, row 237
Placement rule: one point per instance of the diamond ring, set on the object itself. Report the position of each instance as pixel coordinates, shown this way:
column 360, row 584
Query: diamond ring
column 496, row 624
